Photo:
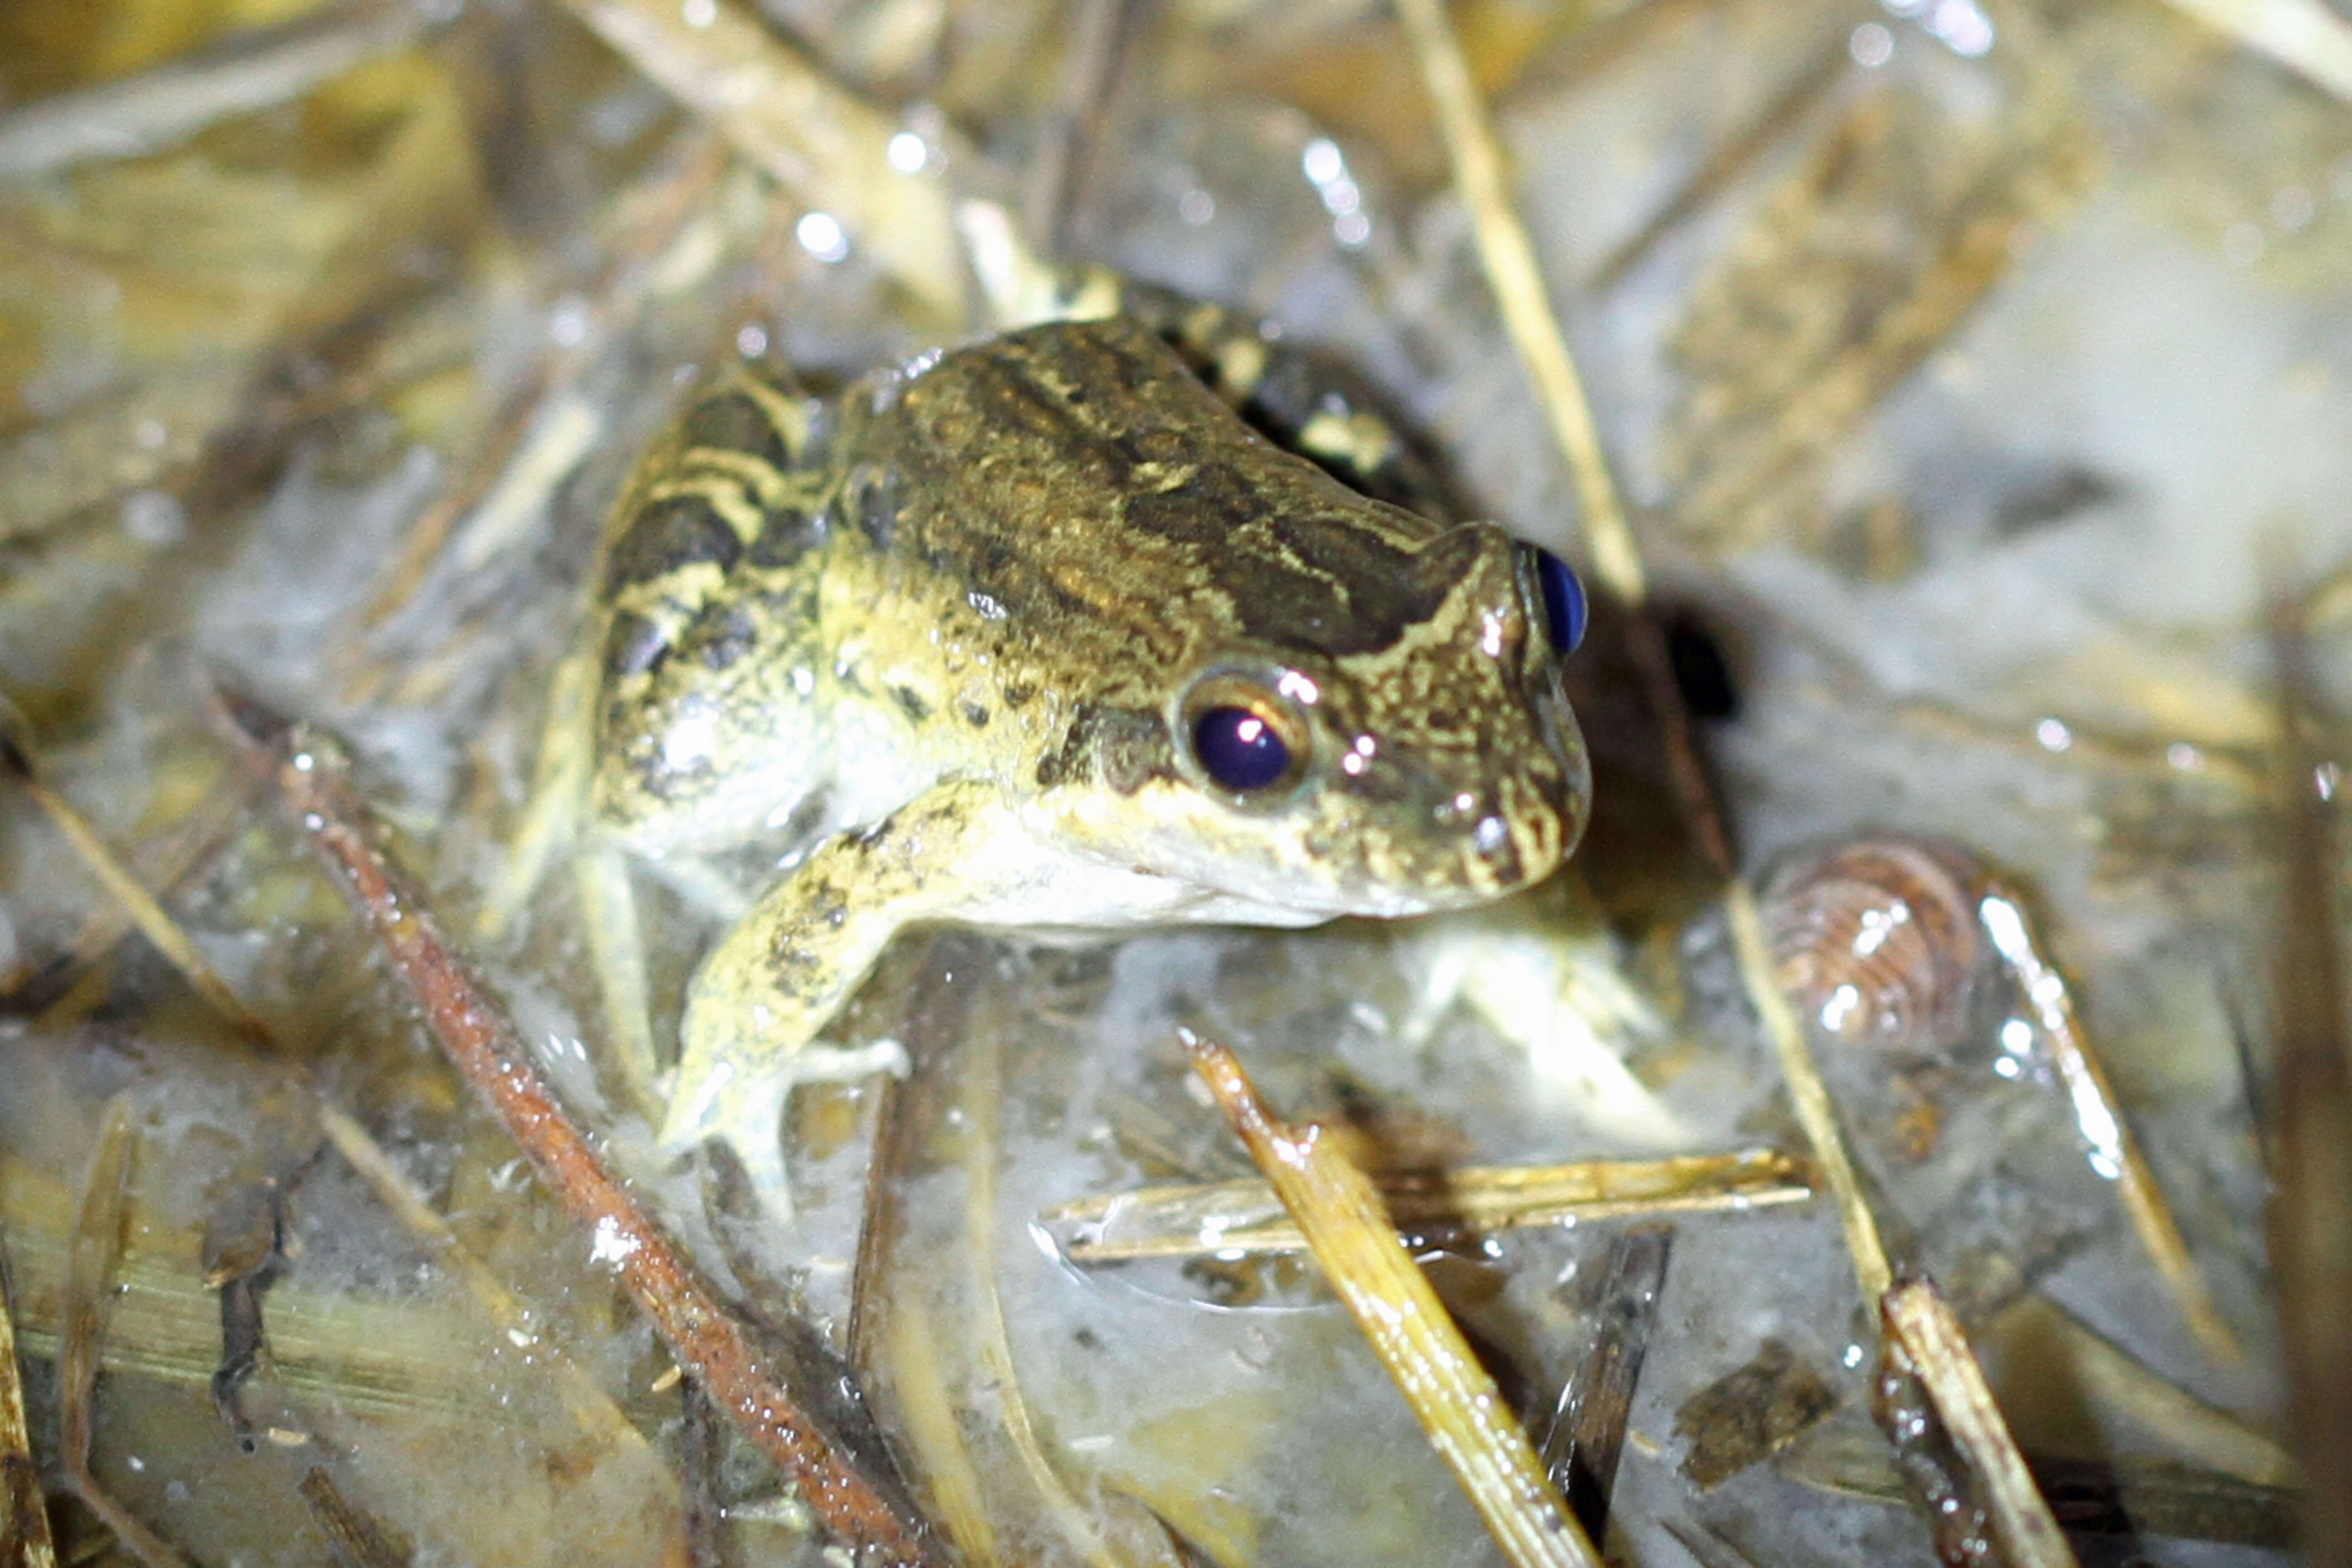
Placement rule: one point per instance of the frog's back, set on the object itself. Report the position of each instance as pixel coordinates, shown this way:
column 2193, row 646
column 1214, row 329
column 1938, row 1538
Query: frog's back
column 1105, row 516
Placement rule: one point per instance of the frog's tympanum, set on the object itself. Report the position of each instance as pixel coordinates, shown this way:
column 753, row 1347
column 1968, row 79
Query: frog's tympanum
column 1039, row 633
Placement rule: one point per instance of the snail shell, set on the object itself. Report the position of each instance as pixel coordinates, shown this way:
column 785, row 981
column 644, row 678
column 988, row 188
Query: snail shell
column 1876, row 941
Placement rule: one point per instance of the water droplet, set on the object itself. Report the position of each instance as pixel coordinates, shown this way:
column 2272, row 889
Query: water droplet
column 820, row 236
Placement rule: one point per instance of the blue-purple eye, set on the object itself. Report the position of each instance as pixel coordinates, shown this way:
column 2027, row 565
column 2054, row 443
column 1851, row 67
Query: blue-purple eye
column 1238, row 748
column 1563, row 601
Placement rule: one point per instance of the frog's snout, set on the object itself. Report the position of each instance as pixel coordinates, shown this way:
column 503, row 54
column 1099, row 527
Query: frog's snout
column 1498, row 862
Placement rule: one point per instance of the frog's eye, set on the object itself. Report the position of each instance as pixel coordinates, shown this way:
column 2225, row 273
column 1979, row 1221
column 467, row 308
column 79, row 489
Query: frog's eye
column 1565, row 610
column 1240, row 749
column 1247, row 740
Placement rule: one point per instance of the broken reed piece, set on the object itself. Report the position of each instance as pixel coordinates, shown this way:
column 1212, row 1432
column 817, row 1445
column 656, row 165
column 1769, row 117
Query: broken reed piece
column 1467, row 1420
column 23, row 1514
column 97, row 1248
column 1516, row 280
column 864, row 1508
column 1512, row 274
column 1243, row 1218
column 1951, row 1445
column 1587, row 1439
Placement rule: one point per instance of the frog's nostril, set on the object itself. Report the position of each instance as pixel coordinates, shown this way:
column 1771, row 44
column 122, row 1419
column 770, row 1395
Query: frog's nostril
column 1496, row 851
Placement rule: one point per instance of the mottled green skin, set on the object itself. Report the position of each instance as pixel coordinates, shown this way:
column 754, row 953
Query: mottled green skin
column 952, row 620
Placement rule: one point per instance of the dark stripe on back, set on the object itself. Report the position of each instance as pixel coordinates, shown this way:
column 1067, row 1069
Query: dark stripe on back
column 733, row 421
column 668, row 534
column 633, row 645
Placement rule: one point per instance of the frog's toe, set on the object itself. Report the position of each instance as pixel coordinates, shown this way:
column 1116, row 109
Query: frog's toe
column 698, row 1104
column 745, row 1110
column 850, row 1064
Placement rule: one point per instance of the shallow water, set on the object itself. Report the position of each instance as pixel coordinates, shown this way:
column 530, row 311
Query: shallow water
column 1991, row 366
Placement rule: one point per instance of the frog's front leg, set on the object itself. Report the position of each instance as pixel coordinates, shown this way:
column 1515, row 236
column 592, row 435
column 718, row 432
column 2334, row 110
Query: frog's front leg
column 780, row 974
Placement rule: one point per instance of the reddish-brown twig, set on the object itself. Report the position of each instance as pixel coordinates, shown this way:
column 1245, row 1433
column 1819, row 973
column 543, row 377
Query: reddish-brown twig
column 864, row 1510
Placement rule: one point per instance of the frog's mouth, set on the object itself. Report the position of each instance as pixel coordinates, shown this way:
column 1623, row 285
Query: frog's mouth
column 1327, row 853
column 1480, row 845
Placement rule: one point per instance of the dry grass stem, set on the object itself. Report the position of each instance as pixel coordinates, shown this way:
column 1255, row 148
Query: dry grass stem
column 983, row 1106
column 2310, row 1107
column 1226, row 1218
column 2128, row 1495
column 23, row 1514
column 1923, row 1339
column 2115, row 1154
column 188, row 845
column 97, row 1246
column 1074, row 122
column 1807, row 1093
column 1468, row 1421
column 157, row 926
column 1518, row 283
column 1512, row 273
column 825, row 145
column 152, row 110
column 2190, row 1427
column 860, row 1505
column 1726, row 164
column 2304, row 36
column 356, row 1538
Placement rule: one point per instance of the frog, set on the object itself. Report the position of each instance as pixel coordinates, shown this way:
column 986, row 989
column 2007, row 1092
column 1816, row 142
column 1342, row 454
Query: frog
column 1045, row 631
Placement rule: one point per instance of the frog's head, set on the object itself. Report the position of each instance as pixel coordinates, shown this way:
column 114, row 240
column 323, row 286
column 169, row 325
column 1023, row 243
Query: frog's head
column 1429, row 763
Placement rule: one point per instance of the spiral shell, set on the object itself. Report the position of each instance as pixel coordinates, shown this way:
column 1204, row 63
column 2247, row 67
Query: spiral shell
column 1878, row 943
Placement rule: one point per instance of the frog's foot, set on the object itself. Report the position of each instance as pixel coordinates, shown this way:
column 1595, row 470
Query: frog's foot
column 741, row 1103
